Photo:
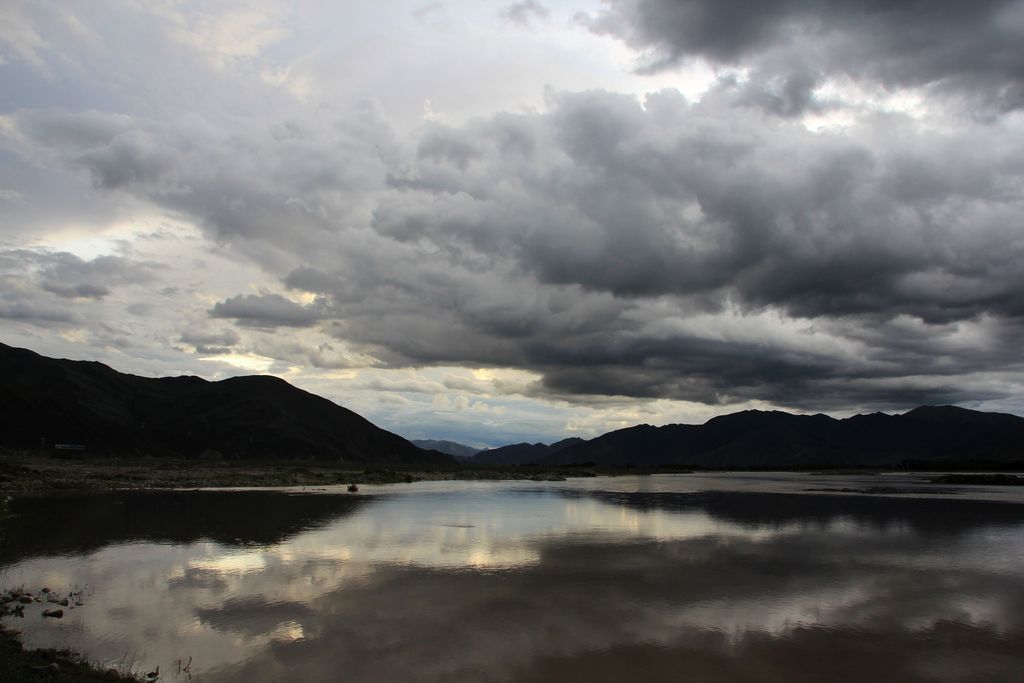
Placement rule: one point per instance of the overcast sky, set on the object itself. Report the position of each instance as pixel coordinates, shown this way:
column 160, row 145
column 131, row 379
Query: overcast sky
column 504, row 221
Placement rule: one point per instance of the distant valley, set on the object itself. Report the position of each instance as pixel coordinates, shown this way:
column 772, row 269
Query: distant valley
column 457, row 450
column 524, row 453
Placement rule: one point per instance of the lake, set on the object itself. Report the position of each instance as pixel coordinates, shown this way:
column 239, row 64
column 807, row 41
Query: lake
column 702, row 578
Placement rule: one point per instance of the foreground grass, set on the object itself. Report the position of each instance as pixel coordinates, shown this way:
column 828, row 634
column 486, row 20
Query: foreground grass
column 19, row 664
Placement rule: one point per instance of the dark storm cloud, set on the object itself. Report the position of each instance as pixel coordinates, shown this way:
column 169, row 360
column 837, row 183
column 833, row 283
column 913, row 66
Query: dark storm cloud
column 524, row 12
column 789, row 95
column 230, row 187
column 69, row 276
column 671, row 199
column 44, row 288
column 21, row 307
column 266, row 311
column 210, row 342
column 84, row 291
column 692, row 250
column 968, row 48
column 423, row 11
column 199, row 337
column 74, row 131
column 132, row 158
column 111, row 147
column 675, row 210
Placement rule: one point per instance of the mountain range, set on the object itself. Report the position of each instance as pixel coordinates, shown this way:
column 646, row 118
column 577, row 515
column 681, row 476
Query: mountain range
column 53, row 403
column 524, row 453
column 457, row 450
column 756, row 438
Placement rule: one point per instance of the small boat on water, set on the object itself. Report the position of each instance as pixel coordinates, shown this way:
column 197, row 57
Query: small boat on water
column 352, row 488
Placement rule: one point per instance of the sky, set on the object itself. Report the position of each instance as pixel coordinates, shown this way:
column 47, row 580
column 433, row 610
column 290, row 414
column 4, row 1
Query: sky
column 495, row 222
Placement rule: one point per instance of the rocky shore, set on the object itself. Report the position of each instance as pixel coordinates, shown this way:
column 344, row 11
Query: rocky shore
column 20, row 664
column 62, row 666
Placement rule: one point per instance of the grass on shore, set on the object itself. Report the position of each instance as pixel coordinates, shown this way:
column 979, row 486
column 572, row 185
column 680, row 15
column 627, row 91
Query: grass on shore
column 26, row 472
column 33, row 473
column 63, row 666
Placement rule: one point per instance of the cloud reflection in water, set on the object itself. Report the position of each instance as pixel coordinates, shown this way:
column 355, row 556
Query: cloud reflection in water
column 499, row 582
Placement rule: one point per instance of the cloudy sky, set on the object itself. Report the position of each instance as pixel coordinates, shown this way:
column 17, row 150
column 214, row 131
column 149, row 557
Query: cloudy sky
column 505, row 221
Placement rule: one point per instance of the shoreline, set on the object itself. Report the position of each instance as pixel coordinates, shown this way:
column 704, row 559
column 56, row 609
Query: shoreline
column 22, row 473
column 26, row 473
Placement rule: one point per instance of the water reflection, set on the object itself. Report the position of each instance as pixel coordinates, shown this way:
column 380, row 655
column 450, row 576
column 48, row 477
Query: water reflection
column 541, row 582
column 63, row 524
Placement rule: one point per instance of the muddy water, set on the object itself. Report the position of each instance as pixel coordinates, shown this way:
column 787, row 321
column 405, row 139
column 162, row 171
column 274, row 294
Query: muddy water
column 665, row 578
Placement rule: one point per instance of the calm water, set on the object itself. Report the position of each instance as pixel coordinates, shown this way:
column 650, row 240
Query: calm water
column 665, row 578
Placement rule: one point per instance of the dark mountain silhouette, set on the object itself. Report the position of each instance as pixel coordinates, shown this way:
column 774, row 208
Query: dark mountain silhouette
column 523, row 453
column 452, row 448
column 756, row 438
column 88, row 403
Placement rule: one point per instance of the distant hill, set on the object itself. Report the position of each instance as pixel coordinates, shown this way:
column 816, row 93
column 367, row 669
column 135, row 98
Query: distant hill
column 452, row 448
column 777, row 439
column 523, row 453
column 88, row 403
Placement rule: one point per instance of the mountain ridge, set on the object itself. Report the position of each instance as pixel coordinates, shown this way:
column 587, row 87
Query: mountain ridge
column 778, row 439
column 48, row 401
column 523, row 453
column 452, row 448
